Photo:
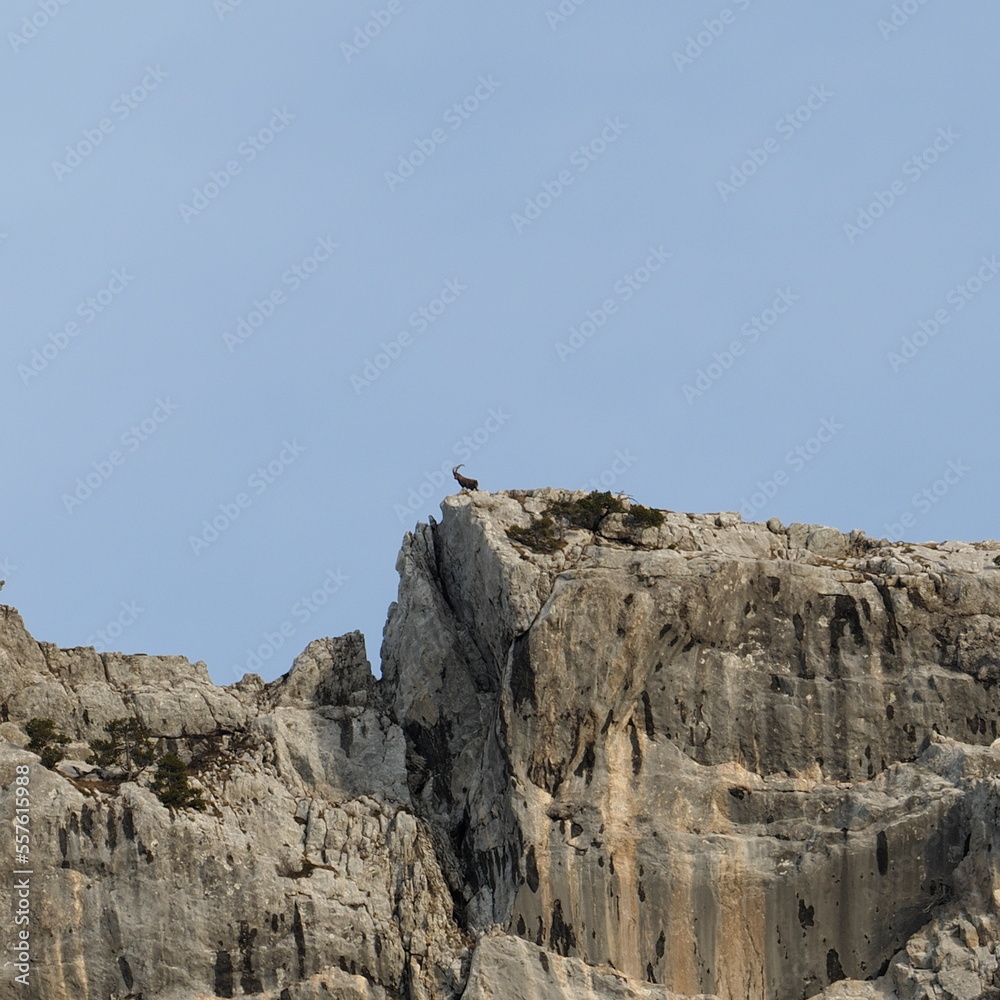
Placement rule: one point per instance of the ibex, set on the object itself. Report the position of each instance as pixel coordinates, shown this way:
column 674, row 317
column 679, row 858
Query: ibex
column 464, row 481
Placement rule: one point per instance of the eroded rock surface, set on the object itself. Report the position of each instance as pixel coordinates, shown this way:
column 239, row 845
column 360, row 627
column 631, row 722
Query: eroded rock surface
column 700, row 758
column 306, row 868
column 723, row 743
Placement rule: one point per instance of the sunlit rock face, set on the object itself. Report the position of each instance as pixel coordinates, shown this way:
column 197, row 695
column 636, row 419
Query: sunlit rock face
column 607, row 759
column 736, row 759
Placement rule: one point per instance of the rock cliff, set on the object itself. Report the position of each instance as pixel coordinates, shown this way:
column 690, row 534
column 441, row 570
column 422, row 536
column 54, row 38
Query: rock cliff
column 611, row 757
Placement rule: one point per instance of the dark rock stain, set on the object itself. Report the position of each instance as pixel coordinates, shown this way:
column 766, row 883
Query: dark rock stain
column 522, row 675
column 834, row 970
column 647, row 714
column 300, row 942
column 585, row 769
column 891, row 634
column 781, row 685
column 561, row 936
column 633, row 735
column 882, row 852
column 223, row 974
column 845, row 618
column 126, row 971
column 531, row 869
column 249, row 980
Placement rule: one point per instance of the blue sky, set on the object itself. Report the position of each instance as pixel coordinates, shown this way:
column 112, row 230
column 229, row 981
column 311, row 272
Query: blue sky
column 269, row 269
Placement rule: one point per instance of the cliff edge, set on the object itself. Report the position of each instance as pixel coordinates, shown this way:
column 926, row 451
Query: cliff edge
column 613, row 754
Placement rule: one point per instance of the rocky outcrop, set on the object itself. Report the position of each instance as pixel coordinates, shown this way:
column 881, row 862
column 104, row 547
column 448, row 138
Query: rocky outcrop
column 707, row 754
column 699, row 757
column 307, row 868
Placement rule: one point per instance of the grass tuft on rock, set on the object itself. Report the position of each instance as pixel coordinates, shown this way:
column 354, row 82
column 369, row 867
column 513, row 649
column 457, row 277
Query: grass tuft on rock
column 540, row 536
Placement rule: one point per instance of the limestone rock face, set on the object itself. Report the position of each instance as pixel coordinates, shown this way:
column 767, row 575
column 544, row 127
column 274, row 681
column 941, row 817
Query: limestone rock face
column 724, row 758
column 699, row 758
column 307, row 871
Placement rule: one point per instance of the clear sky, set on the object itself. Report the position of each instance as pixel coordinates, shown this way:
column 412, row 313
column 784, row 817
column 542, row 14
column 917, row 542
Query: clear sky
column 268, row 269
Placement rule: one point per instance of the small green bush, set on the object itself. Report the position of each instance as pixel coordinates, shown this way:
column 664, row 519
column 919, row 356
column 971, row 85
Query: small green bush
column 172, row 786
column 541, row 535
column 46, row 741
column 544, row 534
column 645, row 517
column 588, row 511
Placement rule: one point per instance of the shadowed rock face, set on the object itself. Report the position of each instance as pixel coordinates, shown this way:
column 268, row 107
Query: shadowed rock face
column 706, row 757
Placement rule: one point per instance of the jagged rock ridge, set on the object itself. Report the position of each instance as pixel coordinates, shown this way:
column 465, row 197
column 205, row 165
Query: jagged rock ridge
column 700, row 757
